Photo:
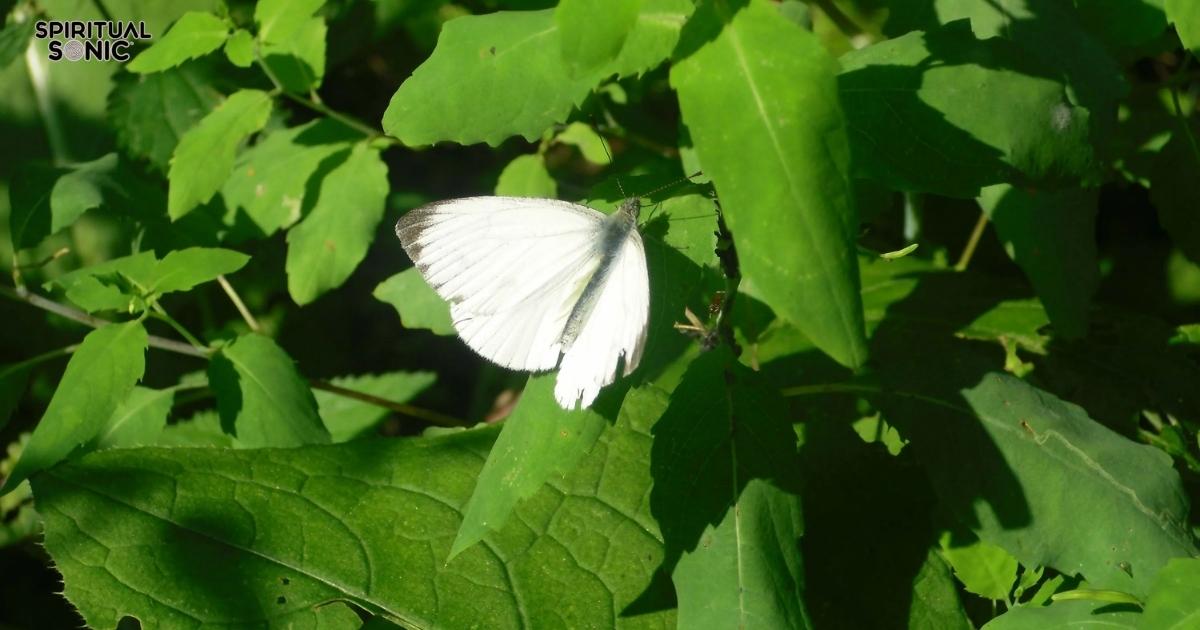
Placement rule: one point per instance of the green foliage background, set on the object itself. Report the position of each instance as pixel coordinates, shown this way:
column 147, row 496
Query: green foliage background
column 228, row 400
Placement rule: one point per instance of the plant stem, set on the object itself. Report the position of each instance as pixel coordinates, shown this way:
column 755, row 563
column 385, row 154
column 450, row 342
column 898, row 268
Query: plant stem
column 972, row 242
column 238, row 303
column 41, row 358
column 314, row 105
column 62, row 310
column 431, row 417
column 158, row 312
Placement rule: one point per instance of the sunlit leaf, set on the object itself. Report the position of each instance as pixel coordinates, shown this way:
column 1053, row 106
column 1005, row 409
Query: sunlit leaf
column 197, row 33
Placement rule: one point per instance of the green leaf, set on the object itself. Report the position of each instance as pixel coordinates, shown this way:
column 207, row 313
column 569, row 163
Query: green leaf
column 197, row 33
column 269, row 181
column 783, row 175
column 347, row 418
column 526, row 176
column 326, row 247
column 1051, row 235
column 205, row 154
column 539, row 440
column 1174, row 601
column 202, row 429
column 983, row 568
column 503, row 61
column 183, row 269
column 151, row 112
column 239, row 48
column 280, row 20
column 1024, row 469
column 261, row 397
column 109, row 285
column 299, row 61
column 584, row 138
column 1175, row 193
column 592, row 32
column 14, row 39
column 1185, row 15
column 417, row 304
column 267, row 537
column 100, row 374
column 726, row 497
column 137, row 421
column 1067, row 616
column 913, row 127
column 45, row 200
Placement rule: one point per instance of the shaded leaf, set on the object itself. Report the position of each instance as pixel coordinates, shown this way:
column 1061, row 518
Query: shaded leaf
column 347, row 418
column 384, row 521
column 526, row 176
column 150, row 113
column 45, row 200
column 725, row 470
column 138, row 420
column 270, row 179
column 202, row 429
column 502, row 62
column 1175, row 193
column 1051, row 235
column 100, row 374
column 417, row 304
column 195, row 34
column 592, row 32
column 783, row 174
column 204, row 156
column 539, row 440
column 326, row 247
column 916, row 126
column 14, row 39
column 261, row 397
column 12, row 386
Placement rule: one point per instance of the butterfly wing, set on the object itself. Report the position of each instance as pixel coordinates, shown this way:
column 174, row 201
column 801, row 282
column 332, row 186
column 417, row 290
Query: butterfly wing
column 510, row 267
column 615, row 328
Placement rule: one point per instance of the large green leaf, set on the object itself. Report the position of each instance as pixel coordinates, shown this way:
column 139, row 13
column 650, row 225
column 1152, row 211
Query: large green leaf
column 592, row 32
column 270, row 179
column 262, row 399
column 197, row 33
column 499, row 64
column 348, row 418
column 236, row 537
column 299, row 61
column 45, row 200
column 767, row 127
column 1069, row 615
column 540, row 439
column 204, row 156
column 326, row 247
column 726, row 498
column 150, row 113
column 948, row 113
column 417, row 304
column 281, row 20
column 1175, row 193
column 1051, row 235
column 101, row 373
column 183, row 269
column 1174, row 603
column 1186, row 17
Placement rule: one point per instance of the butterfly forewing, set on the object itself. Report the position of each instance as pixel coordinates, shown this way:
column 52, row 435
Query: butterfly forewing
column 514, row 270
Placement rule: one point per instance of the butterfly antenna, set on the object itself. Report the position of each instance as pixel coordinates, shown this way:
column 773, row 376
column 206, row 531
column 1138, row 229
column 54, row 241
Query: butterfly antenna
column 686, row 178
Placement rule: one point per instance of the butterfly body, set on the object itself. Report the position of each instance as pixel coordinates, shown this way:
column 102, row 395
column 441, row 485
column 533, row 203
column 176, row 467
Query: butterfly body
column 538, row 283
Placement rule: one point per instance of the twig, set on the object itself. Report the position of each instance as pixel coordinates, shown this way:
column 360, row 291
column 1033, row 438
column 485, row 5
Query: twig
column 158, row 312
column 74, row 314
column 318, row 107
column 62, row 251
column 238, row 303
column 972, row 242
column 43, row 357
column 431, row 417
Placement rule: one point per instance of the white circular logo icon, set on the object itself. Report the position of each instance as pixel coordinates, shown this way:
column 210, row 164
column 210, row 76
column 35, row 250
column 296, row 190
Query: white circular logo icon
column 73, row 50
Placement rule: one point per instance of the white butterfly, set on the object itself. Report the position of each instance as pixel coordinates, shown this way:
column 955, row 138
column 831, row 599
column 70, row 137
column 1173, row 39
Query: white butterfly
column 532, row 280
